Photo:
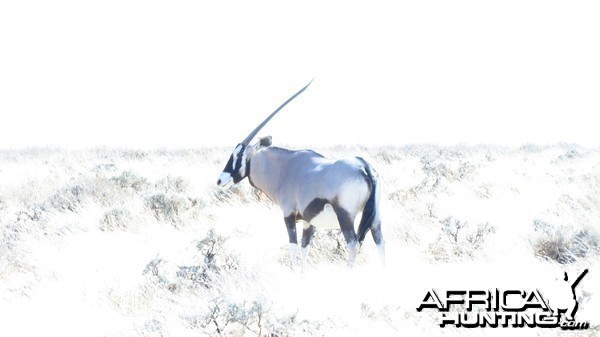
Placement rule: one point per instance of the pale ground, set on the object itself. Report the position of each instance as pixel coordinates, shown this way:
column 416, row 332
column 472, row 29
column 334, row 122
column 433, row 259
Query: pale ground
column 143, row 243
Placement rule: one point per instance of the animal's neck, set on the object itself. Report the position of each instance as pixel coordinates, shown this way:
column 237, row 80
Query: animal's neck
column 266, row 168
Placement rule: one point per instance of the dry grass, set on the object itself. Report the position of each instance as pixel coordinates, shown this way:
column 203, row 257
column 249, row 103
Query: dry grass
column 142, row 243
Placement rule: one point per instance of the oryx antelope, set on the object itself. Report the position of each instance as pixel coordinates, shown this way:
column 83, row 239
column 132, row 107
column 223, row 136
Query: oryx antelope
column 308, row 187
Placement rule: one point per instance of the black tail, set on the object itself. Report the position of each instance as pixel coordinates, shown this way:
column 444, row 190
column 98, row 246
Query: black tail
column 369, row 213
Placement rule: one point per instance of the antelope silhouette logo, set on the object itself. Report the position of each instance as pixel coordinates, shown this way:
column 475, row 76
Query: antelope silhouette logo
column 566, row 302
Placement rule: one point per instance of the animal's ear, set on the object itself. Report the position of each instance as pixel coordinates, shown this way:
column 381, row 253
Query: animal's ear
column 266, row 141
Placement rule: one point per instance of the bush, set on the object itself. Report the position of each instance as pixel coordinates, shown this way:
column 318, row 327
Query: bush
column 563, row 244
column 69, row 199
column 227, row 317
column 114, row 219
column 172, row 208
column 220, row 314
column 130, row 180
column 459, row 239
column 214, row 262
column 172, row 184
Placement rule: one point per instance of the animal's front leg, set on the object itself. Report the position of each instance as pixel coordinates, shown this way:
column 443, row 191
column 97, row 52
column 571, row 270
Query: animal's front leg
column 290, row 224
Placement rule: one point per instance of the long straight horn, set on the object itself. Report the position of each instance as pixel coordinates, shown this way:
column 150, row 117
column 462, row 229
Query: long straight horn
column 260, row 126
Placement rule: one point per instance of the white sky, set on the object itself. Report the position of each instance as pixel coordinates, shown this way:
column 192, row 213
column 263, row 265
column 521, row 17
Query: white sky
column 192, row 73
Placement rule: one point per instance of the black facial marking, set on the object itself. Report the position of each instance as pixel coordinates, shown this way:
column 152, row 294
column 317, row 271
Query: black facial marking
column 314, row 208
column 237, row 177
column 229, row 166
column 235, row 173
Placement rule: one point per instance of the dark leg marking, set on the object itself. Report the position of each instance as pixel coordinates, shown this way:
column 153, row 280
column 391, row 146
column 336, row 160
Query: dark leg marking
column 346, row 223
column 290, row 223
column 307, row 235
column 314, row 208
column 376, row 232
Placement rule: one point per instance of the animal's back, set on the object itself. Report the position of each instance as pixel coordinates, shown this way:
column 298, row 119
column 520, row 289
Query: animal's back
column 341, row 182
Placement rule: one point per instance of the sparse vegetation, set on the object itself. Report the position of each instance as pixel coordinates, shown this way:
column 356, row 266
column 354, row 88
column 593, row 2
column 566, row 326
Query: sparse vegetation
column 142, row 243
column 459, row 239
column 563, row 244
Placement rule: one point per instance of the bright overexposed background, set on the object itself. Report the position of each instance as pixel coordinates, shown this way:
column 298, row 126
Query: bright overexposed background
column 107, row 242
column 196, row 73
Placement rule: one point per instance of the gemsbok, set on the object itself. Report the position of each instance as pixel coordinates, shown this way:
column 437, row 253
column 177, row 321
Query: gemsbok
column 321, row 192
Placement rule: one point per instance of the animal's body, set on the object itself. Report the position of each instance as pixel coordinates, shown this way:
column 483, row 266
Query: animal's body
column 308, row 187
column 286, row 177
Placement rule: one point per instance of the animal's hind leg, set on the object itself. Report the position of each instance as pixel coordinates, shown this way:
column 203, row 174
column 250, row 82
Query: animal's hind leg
column 378, row 238
column 307, row 234
column 290, row 224
column 347, row 227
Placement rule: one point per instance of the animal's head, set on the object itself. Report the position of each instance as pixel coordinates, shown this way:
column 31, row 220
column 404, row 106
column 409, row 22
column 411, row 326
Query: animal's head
column 236, row 168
